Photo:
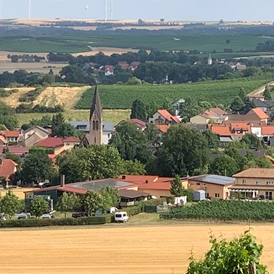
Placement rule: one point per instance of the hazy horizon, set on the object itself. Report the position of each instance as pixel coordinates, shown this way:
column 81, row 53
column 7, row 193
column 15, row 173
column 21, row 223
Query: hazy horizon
column 195, row 10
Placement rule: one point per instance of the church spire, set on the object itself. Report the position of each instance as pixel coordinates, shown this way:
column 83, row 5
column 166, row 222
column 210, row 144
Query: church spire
column 96, row 105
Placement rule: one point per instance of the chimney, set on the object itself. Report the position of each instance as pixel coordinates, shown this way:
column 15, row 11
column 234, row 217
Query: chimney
column 63, row 180
column 124, row 177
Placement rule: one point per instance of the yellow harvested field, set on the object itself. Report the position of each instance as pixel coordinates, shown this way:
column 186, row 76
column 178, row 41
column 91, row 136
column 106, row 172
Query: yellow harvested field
column 117, row 249
column 13, row 99
column 67, row 96
column 19, row 192
column 106, row 50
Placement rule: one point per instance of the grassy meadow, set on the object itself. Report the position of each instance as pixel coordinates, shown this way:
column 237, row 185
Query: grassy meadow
column 84, row 42
column 115, row 115
column 121, row 97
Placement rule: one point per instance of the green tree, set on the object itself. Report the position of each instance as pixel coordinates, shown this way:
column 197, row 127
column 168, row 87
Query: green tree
column 98, row 162
column 57, row 120
column 183, row 151
column 36, row 167
column 38, row 206
column 110, row 197
column 134, row 81
column 153, row 135
column 15, row 158
column 189, row 108
column 237, row 104
column 241, row 255
column 252, row 141
column 267, row 94
column 130, row 142
column 227, row 41
column 223, row 165
column 212, row 139
column 205, row 105
column 138, row 110
column 132, row 168
column 264, row 163
column 176, row 187
column 64, row 130
column 68, row 202
column 7, row 117
column 9, row 204
column 92, row 202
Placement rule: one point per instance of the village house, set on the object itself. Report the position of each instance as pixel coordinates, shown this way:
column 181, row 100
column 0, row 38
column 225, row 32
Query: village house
column 123, row 65
column 255, row 183
column 57, row 144
column 11, row 136
column 7, row 169
column 109, row 70
column 257, row 114
column 141, row 125
column 212, row 115
column 215, row 186
column 163, row 117
column 265, row 106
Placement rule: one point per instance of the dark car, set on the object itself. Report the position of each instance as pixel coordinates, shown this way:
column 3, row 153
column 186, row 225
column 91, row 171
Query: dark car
column 79, row 214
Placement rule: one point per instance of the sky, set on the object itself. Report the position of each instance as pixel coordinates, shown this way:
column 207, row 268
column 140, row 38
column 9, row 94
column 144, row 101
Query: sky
column 190, row 10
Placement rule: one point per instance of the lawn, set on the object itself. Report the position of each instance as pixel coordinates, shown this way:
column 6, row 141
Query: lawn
column 83, row 42
column 121, row 97
column 115, row 115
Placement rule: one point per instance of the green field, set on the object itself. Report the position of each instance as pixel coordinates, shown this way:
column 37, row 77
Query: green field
column 121, row 97
column 83, row 42
column 114, row 116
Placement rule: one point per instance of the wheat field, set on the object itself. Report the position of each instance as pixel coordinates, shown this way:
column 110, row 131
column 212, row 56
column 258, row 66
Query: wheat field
column 117, row 248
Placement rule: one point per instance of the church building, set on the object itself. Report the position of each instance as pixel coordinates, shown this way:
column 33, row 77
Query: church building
column 95, row 135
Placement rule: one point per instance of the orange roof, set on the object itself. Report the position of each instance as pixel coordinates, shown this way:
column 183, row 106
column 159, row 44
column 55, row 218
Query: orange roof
column 156, row 186
column 72, row 140
column 168, row 116
column 7, row 168
column 138, row 179
column 11, row 133
column 267, row 130
column 241, row 126
column 259, row 112
column 256, row 173
column 162, row 128
column 220, row 130
column 52, row 156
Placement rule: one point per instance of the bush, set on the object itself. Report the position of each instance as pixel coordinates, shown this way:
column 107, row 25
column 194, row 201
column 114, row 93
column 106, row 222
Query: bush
column 54, row 222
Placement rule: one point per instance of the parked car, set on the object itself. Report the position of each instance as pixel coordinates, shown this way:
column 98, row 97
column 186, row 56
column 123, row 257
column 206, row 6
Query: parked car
column 79, row 214
column 121, row 217
column 47, row 216
column 23, row 215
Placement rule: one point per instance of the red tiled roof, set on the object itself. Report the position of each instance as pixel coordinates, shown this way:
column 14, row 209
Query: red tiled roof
column 71, row 140
column 50, row 142
column 52, row 156
column 11, row 133
column 18, row 150
column 156, row 186
column 168, row 116
column 162, row 128
column 267, row 130
column 240, row 126
column 139, row 123
column 221, row 130
column 259, row 112
column 7, row 168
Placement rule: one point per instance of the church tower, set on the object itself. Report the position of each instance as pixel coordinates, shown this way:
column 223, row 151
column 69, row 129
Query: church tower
column 95, row 120
column 95, row 135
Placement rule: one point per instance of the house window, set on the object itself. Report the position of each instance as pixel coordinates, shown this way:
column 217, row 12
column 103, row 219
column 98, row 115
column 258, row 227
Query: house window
column 108, row 135
column 217, row 195
column 197, row 184
column 257, row 182
column 93, row 125
column 207, row 195
column 97, row 125
column 94, row 140
column 268, row 195
column 244, row 181
column 269, row 182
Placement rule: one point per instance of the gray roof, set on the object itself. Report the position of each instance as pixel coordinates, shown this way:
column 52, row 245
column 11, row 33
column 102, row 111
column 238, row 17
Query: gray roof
column 225, row 139
column 265, row 104
column 200, row 127
column 214, row 179
column 96, row 185
column 128, row 193
column 107, row 126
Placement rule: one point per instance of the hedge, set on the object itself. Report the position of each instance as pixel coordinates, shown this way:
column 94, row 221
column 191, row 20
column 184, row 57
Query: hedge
column 54, row 222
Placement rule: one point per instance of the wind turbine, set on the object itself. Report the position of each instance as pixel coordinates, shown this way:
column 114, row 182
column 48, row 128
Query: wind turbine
column 111, row 9
column 106, row 10
column 86, row 15
column 29, row 6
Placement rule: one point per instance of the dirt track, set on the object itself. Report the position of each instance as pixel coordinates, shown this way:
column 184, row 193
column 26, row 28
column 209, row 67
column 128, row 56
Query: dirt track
column 122, row 249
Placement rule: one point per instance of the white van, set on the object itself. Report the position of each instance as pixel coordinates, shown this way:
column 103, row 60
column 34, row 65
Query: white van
column 121, row 217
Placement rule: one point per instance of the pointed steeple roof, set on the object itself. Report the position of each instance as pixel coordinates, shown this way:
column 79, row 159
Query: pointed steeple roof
column 96, row 105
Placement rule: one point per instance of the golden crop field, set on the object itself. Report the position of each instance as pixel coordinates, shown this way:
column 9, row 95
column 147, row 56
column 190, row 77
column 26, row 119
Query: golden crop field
column 117, row 249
